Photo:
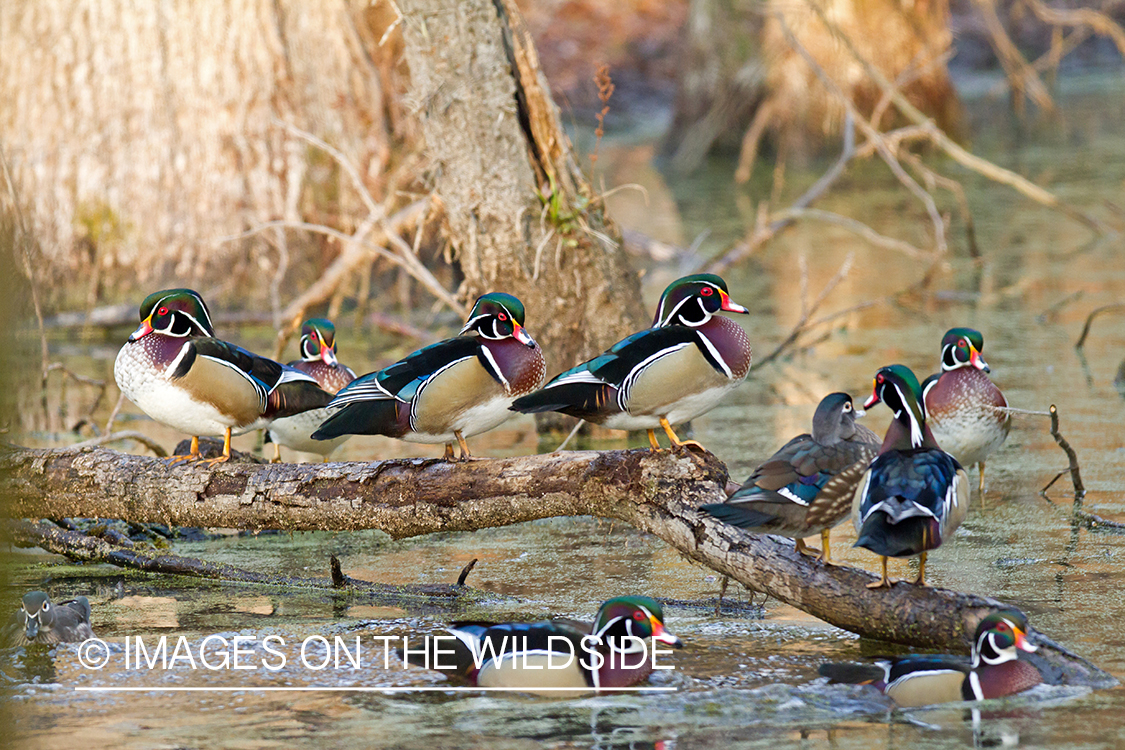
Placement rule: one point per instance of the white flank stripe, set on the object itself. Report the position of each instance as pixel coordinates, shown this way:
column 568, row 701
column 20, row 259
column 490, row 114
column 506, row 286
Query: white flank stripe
column 974, row 683
column 496, row 368
column 176, row 362
column 715, row 353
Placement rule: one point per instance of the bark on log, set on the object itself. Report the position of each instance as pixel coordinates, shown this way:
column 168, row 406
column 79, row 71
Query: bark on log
column 655, row 492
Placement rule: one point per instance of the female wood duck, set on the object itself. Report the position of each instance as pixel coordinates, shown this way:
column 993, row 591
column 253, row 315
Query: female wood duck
column 914, row 494
column 537, row 657
column 671, row 373
column 966, row 411
column 806, row 488
column 318, row 360
column 921, row 680
column 39, row 620
column 178, row 373
column 450, row 390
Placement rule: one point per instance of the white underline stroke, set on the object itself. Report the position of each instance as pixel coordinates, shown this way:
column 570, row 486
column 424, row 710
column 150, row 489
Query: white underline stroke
column 392, row 689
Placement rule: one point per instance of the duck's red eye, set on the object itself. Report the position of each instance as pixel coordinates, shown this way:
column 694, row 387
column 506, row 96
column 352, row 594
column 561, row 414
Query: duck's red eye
column 962, row 343
column 879, row 379
column 162, row 311
column 707, row 291
column 1002, row 627
column 313, row 335
column 639, row 616
column 502, row 316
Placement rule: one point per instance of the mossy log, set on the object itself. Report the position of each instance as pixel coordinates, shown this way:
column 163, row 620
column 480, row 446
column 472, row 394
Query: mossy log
column 657, row 492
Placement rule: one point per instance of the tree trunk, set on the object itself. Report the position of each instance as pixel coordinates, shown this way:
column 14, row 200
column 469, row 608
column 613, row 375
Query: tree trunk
column 657, row 492
column 517, row 209
column 140, row 134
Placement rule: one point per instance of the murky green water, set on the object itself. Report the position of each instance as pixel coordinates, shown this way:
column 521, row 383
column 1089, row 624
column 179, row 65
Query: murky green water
column 747, row 678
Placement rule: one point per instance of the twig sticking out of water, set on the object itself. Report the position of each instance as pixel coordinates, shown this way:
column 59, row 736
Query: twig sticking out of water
column 465, row 571
column 1075, row 476
column 1072, row 457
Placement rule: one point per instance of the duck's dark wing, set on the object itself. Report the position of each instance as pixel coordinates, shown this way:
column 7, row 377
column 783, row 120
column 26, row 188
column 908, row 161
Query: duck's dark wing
column 803, row 477
column 590, row 390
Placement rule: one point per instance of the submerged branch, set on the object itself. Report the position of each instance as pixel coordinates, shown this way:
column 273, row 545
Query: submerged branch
column 1090, row 321
column 657, row 492
column 77, row 545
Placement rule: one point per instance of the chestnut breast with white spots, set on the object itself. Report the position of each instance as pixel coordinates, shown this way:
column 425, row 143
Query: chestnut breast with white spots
column 963, row 412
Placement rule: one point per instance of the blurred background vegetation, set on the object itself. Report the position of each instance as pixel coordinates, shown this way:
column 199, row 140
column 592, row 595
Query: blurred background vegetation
column 389, row 160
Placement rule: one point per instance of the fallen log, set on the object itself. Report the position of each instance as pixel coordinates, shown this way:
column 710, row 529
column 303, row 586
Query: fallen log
column 658, row 492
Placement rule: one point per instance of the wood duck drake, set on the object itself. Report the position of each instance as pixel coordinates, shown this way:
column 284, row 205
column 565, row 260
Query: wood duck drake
column 178, row 373
column 995, row 669
column 450, row 390
column 964, row 407
column 536, row 656
column 806, row 488
column 668, row 374
column 318, row 361
column 39, row 620
column 914, row 494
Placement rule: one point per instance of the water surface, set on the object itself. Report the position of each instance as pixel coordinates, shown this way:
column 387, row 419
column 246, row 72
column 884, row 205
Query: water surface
column 748, row 677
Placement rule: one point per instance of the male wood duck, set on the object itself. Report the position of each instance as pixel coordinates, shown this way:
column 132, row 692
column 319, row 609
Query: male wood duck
column 450, row 390
column 536, row 657
column 178, row 373
column 39, row 620
column 914, row 494
column 964, row 407
column 994, row 671
column 668, row 374
column 318, row 360
column 806, row 488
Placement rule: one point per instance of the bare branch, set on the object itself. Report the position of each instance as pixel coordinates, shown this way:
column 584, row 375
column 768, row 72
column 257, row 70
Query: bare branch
column 968, row 160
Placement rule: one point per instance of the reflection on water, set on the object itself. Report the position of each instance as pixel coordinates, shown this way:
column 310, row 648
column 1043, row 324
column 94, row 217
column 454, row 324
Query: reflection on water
column 744, row 680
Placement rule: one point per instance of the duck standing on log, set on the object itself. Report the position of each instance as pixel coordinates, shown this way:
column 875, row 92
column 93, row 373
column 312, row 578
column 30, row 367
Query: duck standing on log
column 668, row 374
column 178, row 373
column 964, row 408
column 914, row 494
column 994, row 671
column 318, row 361
column 450, row 390
column 806, row 488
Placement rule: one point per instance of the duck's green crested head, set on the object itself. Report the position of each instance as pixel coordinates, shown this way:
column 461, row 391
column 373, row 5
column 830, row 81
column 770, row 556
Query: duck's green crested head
column 318, row 341
column 498, row 315
column 962, row 347
column 174, row 312
column 636, row 616
column 692, row 300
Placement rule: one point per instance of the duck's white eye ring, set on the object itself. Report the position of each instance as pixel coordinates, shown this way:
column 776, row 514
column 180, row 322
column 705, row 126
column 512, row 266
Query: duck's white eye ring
column 45, row 607
column 847, row 407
